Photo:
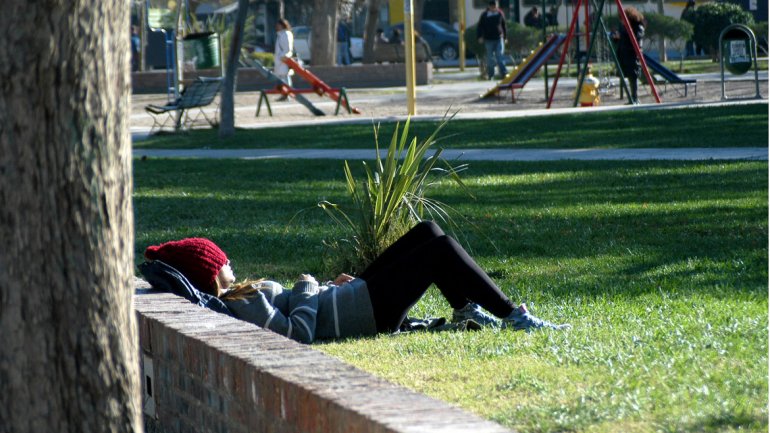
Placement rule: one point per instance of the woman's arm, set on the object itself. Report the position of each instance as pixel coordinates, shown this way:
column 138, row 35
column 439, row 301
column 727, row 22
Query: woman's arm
column 300, row 322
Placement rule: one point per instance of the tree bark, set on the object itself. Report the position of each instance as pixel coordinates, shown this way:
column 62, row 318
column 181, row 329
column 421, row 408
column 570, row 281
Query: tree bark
column 324, row 32
column 418, row 8
column 370, row 30
column 68, row 358
column 227, row 105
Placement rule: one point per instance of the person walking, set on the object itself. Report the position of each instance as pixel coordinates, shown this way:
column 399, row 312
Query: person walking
column 491, row 32
column 284, row 47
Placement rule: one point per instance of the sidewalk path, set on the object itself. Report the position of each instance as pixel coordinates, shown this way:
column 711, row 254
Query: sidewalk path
column 681, row 154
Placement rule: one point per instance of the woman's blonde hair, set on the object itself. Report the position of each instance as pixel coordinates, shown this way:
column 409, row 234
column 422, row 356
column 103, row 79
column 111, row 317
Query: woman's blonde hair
column 242, row 290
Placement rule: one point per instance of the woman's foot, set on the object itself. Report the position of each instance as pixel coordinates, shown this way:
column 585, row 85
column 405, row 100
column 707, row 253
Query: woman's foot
column 521, row 320
column 473, row 312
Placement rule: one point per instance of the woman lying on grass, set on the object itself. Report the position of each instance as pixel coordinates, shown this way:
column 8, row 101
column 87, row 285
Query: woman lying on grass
column 376, row 301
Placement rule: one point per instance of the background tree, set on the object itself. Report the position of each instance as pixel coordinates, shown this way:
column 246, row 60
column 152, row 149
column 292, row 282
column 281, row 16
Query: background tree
column 712, row 18
column 324, row 32
column 68, row 359
column 370, row 29
column 227, row 108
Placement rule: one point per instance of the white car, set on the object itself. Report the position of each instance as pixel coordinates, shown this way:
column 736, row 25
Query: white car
column 302, row 44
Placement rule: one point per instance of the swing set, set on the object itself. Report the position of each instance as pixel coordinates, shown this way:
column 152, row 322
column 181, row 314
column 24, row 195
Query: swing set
column 592, row 36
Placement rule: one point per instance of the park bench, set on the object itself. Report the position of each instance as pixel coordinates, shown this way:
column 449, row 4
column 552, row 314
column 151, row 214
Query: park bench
column 199, row 94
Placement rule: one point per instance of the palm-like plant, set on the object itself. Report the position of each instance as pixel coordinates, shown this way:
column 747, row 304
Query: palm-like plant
column 391, row 198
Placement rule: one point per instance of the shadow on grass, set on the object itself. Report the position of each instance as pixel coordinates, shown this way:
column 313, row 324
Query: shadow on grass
column 596, row 224
column 730, row 126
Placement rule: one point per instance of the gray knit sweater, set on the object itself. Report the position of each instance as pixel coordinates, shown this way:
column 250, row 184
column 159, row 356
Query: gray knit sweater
column 309, row 311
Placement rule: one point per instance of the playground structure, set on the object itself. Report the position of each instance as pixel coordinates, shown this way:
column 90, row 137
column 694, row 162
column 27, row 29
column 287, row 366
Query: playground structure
column 523, row 72
column 598, row 26
column 318, row 86
column 538, row 58
column 669, row 77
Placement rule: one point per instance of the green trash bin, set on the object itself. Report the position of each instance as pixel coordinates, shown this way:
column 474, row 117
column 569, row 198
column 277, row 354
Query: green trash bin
column 736, row 51
column 202, row 49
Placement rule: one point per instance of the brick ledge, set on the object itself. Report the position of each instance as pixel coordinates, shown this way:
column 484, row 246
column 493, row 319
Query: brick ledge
column 210, row 372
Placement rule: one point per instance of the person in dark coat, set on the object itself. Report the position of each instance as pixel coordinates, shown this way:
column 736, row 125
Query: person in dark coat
column 491, row 32
column 629, row 62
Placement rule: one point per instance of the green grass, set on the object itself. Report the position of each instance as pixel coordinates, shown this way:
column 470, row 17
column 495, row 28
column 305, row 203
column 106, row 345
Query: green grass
column 661, row 267
column 732, row 126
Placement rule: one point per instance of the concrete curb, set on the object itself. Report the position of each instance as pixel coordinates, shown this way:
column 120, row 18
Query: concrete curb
column 675, row 154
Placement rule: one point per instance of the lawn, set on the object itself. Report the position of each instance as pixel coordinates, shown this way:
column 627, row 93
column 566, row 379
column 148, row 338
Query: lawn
column 661, row 267
column 731, row 126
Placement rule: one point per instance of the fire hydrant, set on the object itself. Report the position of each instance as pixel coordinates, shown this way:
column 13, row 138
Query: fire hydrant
column 589, row 93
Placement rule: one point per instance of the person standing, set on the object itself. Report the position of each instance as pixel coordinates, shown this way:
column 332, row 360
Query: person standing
column 688, row 14
column 284, row 47
column 533, row 18
column 343, row 44
column 491, row 32
column 136, row 51
column 630, row 64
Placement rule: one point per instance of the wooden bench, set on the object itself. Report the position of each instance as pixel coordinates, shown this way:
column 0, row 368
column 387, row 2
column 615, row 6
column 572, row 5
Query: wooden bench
column 200, row 93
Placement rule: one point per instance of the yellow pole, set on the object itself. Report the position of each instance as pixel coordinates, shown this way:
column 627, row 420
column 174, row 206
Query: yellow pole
column 461, row 44
column 411, row 95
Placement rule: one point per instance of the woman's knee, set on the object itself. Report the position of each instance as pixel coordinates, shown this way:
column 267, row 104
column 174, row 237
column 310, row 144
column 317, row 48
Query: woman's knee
column 429, row 227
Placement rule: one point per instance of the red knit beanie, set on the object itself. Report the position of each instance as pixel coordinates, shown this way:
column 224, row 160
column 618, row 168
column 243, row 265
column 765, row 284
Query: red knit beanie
column 199, row 259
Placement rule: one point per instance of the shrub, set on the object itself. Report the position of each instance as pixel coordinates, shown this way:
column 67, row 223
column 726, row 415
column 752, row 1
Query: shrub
column 267, row 59
column 658, row 26
column 669, row 28
column 521, row 40
column 389, row 200
column 760, row 31
column 712, row 18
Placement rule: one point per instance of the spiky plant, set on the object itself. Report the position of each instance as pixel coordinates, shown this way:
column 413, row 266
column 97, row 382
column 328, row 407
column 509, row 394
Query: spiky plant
column 391, row 197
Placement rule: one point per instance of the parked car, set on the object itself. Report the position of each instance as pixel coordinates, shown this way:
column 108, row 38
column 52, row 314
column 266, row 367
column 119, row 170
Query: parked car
column 302, row 44
column 442, row 38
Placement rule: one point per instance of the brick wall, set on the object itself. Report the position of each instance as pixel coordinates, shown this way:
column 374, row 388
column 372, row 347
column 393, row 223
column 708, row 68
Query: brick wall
column 206, row 372
column 355, row 76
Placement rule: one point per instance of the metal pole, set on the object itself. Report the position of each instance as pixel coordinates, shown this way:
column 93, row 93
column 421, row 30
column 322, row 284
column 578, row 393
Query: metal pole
column 461, row 44
column 411, row 94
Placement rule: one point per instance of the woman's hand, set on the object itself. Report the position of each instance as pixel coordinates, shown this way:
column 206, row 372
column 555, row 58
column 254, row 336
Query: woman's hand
column 342, row 279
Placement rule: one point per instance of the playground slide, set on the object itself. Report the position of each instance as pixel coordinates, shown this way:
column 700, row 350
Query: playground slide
column 664, row 72
column 522, row 73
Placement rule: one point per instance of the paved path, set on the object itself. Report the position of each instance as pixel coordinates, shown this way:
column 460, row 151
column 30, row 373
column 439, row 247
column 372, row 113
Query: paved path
column 681, row 154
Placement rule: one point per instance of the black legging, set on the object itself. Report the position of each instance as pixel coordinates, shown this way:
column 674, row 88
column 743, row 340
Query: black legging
column 399, row 277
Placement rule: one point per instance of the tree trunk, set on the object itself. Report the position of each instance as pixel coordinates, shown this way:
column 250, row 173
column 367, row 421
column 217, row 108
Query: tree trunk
column 324, row 32
column 418, row 8
column 370, row 31
column 227, row 105
column 68, row 357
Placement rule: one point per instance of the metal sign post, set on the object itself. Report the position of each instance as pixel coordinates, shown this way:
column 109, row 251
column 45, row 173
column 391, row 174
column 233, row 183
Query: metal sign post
column 738, row 45
column 411, row 94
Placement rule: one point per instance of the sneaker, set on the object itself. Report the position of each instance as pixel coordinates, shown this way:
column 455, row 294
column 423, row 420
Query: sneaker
column 473, row 312
column 521, row 320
